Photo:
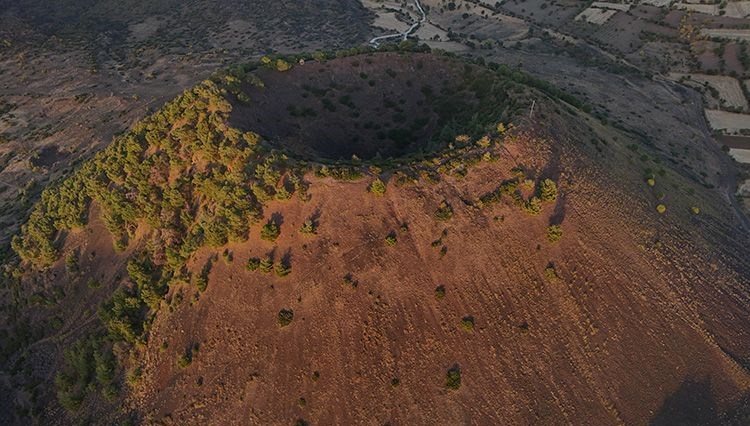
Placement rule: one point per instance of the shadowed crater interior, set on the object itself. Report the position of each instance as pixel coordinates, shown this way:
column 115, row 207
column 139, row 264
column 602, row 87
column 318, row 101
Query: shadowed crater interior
column 384, row 105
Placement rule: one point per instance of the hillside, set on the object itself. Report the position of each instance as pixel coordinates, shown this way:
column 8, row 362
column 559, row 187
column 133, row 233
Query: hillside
column 393, row 237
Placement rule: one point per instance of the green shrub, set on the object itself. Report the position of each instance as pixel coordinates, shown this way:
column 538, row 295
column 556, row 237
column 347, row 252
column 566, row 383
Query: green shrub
column 342, row 173
column 508, row 187
column 548, row 190
column 467, row 323
column 123, row 315
column 253, row 264
column 266, row 265
column 440, row 292
column 391, row 239
column 88, row 364
column 282, row 65
column 185, row 359
column 110, row 392
column 551, row 273
column 377, row 187
column 71, row 262
column 661, row 208
column 151, row 288
column 444, row 212
column 308, row 228
column 695, row 210
column 285, row 317
column 533, row 206
column 453, row 378
column 201, row 280
column 270, row 231
column 554, row 233
column 283, row 269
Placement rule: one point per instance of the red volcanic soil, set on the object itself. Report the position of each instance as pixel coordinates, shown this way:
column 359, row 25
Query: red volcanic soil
column 646, row 320
column 634, row 316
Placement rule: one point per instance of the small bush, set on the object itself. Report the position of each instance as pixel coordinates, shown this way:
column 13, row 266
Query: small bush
column 282, row 65
column 270, row 231
column 554, row 233
column 266, row 265
column 548, row 190
column 71, row 262
column 661, row 208
column 453, row 378
column 110, row 392
column 467, row 324
column 484, row 142
column 377, row 187
column 349, row 281
column 440, row 292
column 185, row 359
column 533, row 206
column 227, row 256
column 253, row 264
column 391, row 239
column 283, row 269
column 308, row 228
column 695, row 210
column 285, row 317
column 94, row 283
column 444, row 212
column 551, row 273
column 201, row 282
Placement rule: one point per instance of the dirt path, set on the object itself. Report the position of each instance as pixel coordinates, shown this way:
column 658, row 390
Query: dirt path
column 376, row 41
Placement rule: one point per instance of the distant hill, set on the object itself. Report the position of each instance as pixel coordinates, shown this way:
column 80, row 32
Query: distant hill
column 109, row 26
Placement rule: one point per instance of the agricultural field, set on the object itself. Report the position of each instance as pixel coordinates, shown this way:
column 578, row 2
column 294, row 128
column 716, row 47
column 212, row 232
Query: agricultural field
column 729, row 122
column 595, row 15
column 731, row 9
column 721, row 91
column 728, row 34
column 741, row 155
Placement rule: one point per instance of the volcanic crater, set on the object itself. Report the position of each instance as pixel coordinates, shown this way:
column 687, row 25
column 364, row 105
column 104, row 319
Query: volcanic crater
column 380, row 105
